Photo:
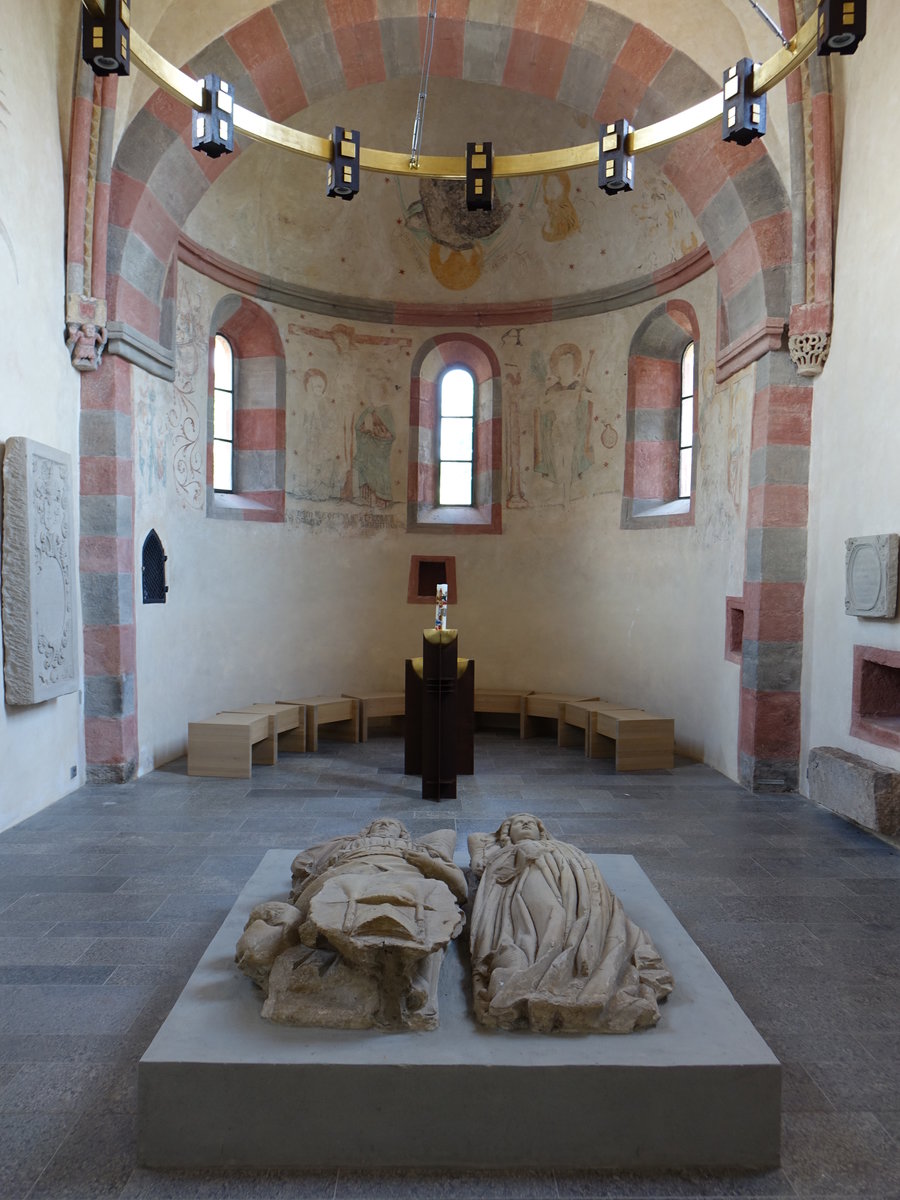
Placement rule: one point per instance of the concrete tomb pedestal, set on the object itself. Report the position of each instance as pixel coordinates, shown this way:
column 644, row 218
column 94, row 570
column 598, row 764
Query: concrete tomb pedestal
column 219, row 1086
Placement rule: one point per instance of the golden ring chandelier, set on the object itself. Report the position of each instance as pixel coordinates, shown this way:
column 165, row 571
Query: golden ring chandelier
column 542, row 162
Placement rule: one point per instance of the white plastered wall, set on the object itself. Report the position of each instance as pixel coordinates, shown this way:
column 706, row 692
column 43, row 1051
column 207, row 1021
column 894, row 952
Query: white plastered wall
column 854, row 481
column 39, row 394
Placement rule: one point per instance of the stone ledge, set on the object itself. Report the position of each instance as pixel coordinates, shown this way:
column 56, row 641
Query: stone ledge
column 855, row 788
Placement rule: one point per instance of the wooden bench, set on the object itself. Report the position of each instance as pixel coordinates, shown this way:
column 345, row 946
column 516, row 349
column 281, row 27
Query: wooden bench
column 575, row 723
column 287, row 725
column 500, row 701
column 544, row 706
column 225, row 745
column 638, row 740
column 329, row 710
column 373, row 705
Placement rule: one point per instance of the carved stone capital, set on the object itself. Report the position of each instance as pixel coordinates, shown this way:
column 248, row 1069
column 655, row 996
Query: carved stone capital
column 809, row 351
column 86, row 344
column 86, row 334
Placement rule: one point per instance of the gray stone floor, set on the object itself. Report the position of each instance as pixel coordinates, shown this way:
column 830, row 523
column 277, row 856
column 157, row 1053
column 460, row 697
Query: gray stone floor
column 108, row 898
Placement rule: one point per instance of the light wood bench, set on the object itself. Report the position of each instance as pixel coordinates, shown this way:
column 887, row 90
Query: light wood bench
column 287, row 725
column 575, row 723
column 500, row 701
column 377, row 704
column 538, row 706
column 225, row 745
column 638, row 740
column 329, row 710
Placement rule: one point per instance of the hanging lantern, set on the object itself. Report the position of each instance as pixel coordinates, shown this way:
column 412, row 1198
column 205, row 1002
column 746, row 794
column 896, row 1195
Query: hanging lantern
column 616, row 167
column 479, row 175
column 106, row 40
column 213, row 125
column 343, row 174
column 842, row 26
column 743, row 114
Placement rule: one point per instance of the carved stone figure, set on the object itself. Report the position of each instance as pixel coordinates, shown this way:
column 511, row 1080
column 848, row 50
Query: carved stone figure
column 85, row 342
column 551, row 945
column 360, row 942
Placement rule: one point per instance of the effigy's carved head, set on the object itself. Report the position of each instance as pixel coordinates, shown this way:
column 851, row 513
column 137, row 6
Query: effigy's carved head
column 521, row 827
column 387, row 827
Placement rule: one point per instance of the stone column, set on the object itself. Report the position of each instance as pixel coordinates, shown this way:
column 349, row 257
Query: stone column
column 107, row 574
column 775, row 578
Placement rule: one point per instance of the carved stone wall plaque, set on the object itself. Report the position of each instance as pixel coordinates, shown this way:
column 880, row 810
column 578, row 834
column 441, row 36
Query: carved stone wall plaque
column 38, row 573
column 872, row 576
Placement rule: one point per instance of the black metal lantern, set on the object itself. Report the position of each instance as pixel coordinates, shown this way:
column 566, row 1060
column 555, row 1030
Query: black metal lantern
column 479, row 175
column 212, row 130
column 343, row 174
column 842, row 26
column 616, row 167
column 106, row 40
column 743, row 114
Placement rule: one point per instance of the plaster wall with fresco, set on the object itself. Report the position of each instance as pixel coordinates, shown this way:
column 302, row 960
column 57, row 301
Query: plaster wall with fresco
column 730, row 616
column 555, row 588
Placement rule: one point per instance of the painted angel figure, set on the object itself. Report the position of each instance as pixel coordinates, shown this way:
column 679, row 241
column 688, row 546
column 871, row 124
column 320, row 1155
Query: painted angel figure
column 552, row 947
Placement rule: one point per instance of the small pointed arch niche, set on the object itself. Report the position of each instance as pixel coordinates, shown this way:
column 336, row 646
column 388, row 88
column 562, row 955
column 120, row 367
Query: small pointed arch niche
column 153, row 570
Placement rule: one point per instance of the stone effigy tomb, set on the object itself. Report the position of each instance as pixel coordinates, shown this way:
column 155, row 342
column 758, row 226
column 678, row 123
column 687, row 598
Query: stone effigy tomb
column 219, row 1087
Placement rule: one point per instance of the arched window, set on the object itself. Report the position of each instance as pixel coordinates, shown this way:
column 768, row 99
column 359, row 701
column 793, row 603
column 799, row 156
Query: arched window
column 223, row 415
column 686, row 440
column 455, row 433
column 245, row 414
column 661, row 427
column 456, row 438
column 153, row 570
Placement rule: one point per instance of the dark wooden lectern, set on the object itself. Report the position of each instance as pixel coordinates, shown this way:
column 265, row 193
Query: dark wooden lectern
column 440, row 715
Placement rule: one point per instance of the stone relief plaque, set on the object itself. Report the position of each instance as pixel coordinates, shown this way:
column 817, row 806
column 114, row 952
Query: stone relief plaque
column 871, row 566
column 38, row 573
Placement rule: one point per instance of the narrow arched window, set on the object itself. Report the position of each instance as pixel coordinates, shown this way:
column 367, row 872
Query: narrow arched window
column 686, row 439
column 223, row 415
column 456, row 446
column 153, row 570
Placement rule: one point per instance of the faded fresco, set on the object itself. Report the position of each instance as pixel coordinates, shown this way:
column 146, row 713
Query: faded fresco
column 152, row 403
column 186, row 417
column 726, row 412
column 348, row 412
column 563, row 420
column 412, row 240
column 348, row 419
column 550, row 233
column 170, row 418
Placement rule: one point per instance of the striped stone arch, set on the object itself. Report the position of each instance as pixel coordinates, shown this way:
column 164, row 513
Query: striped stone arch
column 581, row 54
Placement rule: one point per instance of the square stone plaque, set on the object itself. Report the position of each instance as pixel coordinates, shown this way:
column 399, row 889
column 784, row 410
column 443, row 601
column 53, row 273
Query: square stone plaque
column 871, row 566
column 38, row 573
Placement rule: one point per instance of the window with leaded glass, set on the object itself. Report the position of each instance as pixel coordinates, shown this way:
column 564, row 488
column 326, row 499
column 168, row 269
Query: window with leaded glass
column 686, row 439
column 223, row 415
column 456, row 433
